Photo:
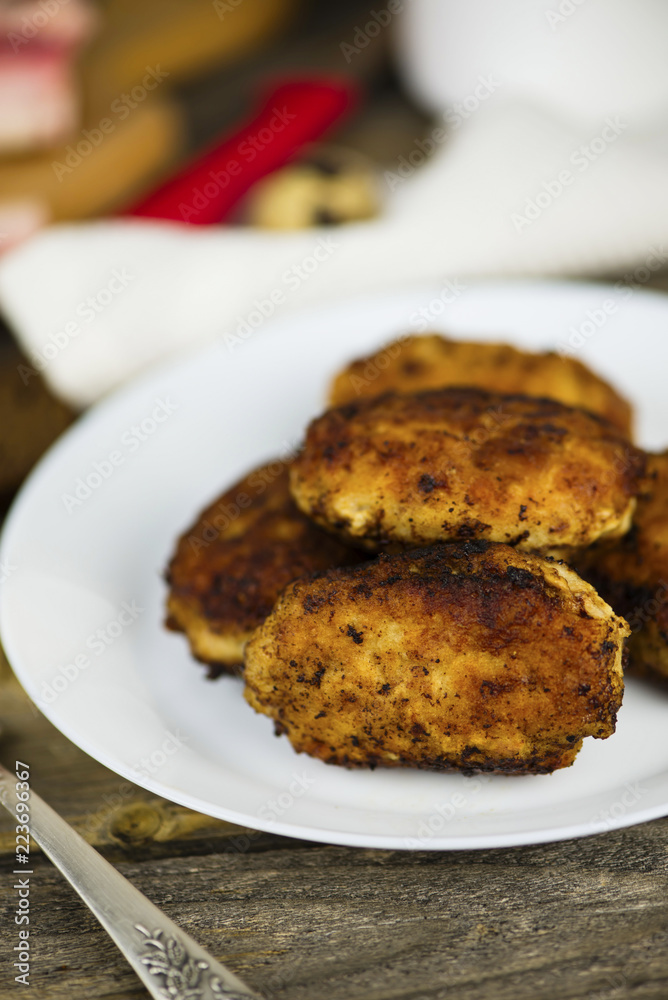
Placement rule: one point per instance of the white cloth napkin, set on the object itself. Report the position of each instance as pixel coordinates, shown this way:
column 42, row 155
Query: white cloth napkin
column 511, row 192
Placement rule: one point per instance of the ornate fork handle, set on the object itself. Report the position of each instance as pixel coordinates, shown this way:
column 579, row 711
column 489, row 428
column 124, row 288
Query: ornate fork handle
column 170, row 964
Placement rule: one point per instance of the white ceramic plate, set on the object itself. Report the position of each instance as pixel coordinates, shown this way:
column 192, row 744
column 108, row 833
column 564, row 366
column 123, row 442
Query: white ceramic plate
column 82, row 595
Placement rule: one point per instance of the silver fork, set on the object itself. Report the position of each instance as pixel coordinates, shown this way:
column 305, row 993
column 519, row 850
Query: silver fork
column 170, row 964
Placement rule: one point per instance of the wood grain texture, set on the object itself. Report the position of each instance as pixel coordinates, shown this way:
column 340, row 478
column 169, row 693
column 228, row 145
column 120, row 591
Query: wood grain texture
column 576, row 920
column 585, row 919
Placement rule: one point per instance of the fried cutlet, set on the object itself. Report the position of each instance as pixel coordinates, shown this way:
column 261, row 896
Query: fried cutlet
column 452, row 464
column 632, row 574
column 417, row 363
column 231, row 565
column 471, row 656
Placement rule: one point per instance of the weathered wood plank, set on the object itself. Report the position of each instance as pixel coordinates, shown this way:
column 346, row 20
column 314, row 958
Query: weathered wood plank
column 576, row 920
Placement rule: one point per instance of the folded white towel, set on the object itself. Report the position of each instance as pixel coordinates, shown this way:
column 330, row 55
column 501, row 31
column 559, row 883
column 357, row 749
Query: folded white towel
column 511, row 192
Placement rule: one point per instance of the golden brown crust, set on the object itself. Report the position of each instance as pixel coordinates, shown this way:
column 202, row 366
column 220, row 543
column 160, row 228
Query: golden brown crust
column 230, row 567
column 632, row 574
column 472, row 656
column 463, row 463
column 417, row 363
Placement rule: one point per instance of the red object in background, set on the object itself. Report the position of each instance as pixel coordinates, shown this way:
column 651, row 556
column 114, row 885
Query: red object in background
column 294, row 114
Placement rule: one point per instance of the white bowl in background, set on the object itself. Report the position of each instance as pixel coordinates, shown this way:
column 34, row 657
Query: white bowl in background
column 582, row 60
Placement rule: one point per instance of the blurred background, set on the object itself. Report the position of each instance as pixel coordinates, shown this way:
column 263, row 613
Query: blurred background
column 448, row 138
column 66, row 65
